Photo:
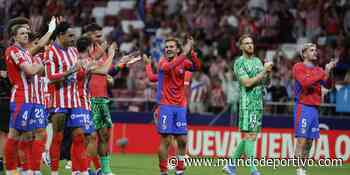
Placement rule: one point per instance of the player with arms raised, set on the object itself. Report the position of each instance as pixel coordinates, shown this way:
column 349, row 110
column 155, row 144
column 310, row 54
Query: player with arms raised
column 61, row 70
column 171, row 97
column 308, row 81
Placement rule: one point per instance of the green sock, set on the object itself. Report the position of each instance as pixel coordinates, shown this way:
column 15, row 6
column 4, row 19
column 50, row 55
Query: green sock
column 105, row 164
column 239, row 150
column 250, row 152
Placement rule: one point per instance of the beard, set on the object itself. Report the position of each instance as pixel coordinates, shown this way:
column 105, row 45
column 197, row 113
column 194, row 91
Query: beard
column 249, row 51
column 170, row 54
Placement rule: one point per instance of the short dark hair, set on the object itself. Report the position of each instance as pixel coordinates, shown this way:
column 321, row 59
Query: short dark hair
column 244, row 36
column 61, row 29
column 83, row 43
column 16, row 21
column 91, row 28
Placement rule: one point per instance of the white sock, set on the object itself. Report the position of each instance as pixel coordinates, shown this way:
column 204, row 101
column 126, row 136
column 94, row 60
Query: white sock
column 19, row 169
column 49, row 132
column 85, row 173
column 54, row 173
column 12, row 172
column 301, row 171
column 179, row 171
column 27, row 172
column 75, row 172
column 37, row 173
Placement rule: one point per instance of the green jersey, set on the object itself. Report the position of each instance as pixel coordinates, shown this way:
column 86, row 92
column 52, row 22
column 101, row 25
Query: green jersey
column 248, row 68
column 251, row 99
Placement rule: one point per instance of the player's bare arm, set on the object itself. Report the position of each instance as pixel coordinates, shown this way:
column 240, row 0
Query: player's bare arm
column 56, row 78
column 149, row 71
column 32, row 69
column 45, row 39
column 331, row 65
column 104, row 68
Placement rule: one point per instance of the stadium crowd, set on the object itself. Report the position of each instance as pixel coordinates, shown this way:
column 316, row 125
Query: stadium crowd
column 277, row 25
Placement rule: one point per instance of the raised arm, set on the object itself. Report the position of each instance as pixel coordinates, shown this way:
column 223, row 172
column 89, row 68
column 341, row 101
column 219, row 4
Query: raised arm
column 149, row 71
column 45, row 39
column 51, row 69
column 194, row 64
column 305, row 79
column 103, row 68
column 250, row 81
column 166, row 65
column 328, row 82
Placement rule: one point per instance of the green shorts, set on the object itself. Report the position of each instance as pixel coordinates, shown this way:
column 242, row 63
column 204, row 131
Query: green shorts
column 250, row 120
column 100, row 113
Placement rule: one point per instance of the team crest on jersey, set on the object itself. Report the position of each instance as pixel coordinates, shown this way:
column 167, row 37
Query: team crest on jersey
column 181, row 71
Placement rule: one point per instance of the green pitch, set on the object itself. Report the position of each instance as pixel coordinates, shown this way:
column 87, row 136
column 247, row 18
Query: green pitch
column 137, row 164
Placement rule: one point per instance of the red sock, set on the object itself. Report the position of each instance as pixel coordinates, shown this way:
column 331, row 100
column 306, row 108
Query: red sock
column 18, row 160
column 78, row 153
column 96, row 161
column 29, row 154
column 25, row 148
column 73, row 157
column 163, row 166
column 180, row 165
column 11, row 155
column 55, row 150
column 21, row 154
column 37, row 150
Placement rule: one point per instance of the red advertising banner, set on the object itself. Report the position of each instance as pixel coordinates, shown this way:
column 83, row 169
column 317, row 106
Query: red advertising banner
column 222, row 141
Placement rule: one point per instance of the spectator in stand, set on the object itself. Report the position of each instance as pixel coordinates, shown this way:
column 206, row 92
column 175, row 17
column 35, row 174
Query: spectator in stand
column 230, row 86
column 217, row 96
column 200, row 87
column 215, row 23
column 5, row 92
column 312, row 18
column 278, row 94
column 36, row 19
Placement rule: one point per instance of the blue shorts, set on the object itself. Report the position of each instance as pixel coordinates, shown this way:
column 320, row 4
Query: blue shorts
column 88, row 123
column 66, row 111
column 81, row 118
column 172, row 120
column 52, row 110
column 39, row 116
column 21, row 116
column 306, row 123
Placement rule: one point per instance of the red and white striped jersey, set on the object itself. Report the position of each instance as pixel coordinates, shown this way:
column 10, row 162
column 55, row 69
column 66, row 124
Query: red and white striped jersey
column 21, row 83
column 83, row 78
column 50, row 92
column 39, row 83
column 60, row 61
